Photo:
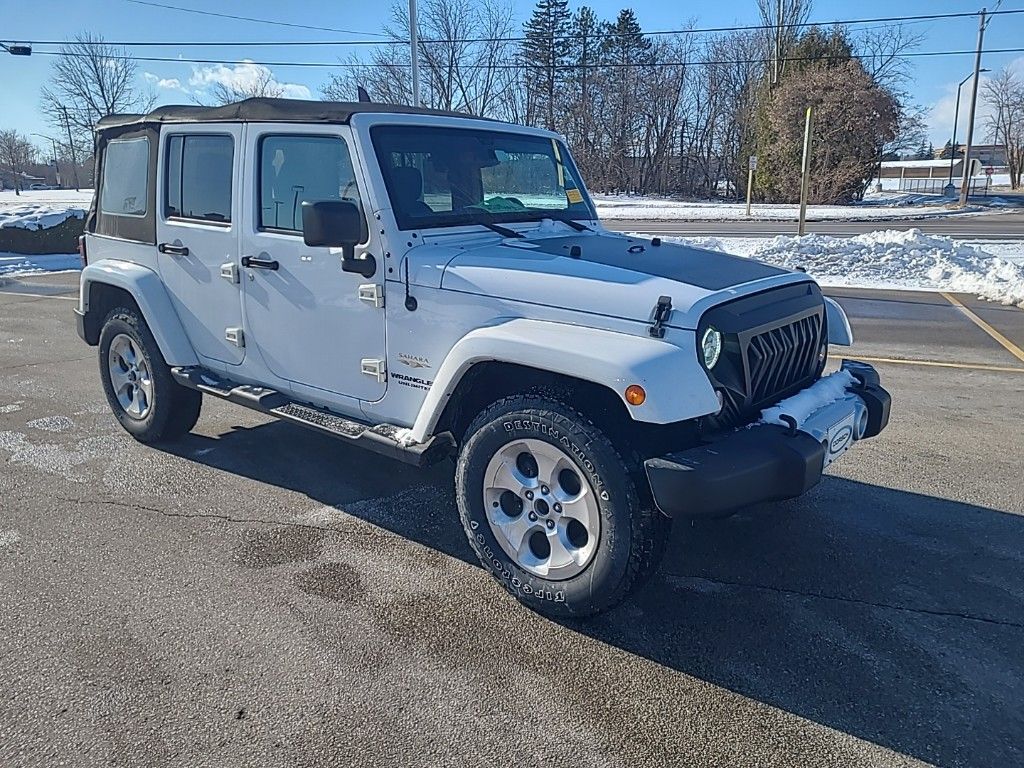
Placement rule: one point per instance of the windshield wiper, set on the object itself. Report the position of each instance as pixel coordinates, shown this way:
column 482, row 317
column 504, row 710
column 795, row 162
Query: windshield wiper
column 503, row 231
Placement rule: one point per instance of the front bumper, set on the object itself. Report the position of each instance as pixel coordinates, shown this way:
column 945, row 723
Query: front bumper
column 769, row 462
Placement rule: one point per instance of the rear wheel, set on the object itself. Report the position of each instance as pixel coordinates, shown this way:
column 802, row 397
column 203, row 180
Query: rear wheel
column 551, row 508
column 143, row 395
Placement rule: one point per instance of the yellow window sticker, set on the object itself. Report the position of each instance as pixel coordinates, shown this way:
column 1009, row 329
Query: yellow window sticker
column 574, row 196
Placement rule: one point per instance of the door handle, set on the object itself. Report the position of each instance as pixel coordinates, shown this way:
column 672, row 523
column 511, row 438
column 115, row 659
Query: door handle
column 254, row 262
column 174, row 250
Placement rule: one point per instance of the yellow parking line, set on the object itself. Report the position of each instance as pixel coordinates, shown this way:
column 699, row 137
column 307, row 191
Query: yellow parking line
column 1006, row 344
column 934, row 363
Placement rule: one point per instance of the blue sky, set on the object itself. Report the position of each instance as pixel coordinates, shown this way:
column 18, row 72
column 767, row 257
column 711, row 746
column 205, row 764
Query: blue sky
column 22, row 78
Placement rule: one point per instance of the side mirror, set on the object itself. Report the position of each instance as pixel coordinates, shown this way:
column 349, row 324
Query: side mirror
column 337, row 224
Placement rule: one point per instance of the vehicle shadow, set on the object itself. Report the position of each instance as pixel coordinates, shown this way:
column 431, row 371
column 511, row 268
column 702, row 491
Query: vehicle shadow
column 891, row 616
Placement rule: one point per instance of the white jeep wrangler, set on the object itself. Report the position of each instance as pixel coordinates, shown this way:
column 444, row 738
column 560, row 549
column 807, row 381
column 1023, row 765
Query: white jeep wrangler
column 429, row 285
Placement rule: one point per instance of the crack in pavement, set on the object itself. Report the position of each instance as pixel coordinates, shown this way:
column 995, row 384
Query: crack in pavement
column 853, row 600
column 215, row 516
column 46, row 362
column 724, row 582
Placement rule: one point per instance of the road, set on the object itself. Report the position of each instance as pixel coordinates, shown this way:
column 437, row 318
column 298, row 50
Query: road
column 992, row 226
column 259, row 595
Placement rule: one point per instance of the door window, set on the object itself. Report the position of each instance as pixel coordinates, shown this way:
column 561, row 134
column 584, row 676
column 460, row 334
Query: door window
column 294, row 169
column 198, row 178
column 124, row 189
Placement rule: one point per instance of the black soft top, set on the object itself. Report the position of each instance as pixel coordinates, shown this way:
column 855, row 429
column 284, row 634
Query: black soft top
column 267, row 111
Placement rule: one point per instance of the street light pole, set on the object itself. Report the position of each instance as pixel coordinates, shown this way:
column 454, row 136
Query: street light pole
column 950, row 189
column 965, row 186
column 56, row 168
column 71, row 144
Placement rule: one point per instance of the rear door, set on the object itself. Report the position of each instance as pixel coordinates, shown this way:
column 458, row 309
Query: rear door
column 313, row 323
column 197, row 236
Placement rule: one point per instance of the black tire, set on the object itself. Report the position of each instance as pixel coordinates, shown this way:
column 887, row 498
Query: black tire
column 174, row 409
column 628, row 547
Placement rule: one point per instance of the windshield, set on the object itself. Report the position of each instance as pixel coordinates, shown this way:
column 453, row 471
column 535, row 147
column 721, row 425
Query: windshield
column 438, row 176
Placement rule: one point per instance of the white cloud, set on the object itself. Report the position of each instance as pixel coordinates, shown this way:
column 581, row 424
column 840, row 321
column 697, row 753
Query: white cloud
column 942, row 111
column 245, row 77
column 171, row 83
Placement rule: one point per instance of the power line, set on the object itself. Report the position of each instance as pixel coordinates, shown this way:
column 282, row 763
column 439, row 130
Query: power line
column 340, row 64
column 427, row 41
column 249, row 18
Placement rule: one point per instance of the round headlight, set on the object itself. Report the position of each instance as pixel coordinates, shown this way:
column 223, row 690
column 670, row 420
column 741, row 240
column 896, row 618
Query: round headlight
column 711, row 345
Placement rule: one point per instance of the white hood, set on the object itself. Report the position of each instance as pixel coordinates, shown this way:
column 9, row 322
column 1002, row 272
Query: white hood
column 607, row 274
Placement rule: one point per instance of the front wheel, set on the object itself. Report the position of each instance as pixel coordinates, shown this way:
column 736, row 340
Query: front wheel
column 552, row 510
column 143, row 395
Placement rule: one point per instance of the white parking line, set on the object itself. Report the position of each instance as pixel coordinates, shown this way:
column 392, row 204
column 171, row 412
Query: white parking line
column 37, row 295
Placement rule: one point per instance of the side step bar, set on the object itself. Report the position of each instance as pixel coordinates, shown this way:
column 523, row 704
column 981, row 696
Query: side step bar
column 379, row 438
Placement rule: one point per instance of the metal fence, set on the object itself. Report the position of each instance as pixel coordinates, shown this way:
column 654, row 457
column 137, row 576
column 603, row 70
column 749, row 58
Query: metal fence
column 938, row 186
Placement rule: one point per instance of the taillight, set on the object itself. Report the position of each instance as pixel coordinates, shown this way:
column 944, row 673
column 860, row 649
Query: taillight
column 81, row 251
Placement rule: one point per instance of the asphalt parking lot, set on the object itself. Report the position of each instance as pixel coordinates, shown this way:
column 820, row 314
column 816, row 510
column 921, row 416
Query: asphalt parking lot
column 258, row 595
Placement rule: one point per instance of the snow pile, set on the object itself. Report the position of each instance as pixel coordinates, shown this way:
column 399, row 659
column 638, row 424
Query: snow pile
column 41, row 209
column 37, row 215
column 887, row 259
column 800, row 406
column 17, row 264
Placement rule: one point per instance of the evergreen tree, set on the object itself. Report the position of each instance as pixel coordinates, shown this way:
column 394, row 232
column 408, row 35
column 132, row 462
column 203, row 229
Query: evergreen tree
column 626, row 52
column 546, row 52
column 584, row 82
column 948, row 152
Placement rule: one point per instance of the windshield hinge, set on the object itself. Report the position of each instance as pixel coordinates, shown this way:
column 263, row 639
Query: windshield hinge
column 372, row 293
column 661, row 312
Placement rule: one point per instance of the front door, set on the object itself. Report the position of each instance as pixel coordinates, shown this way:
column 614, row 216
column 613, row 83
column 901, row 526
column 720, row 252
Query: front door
column 197, row 236
column 304, row 314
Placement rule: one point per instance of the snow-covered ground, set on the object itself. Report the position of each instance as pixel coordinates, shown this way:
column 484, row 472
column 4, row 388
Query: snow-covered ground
column 41, row 209
column 883, row 206
column 907, row 259
column 882, row 259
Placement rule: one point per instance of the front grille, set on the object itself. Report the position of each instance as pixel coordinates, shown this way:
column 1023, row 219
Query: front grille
column 782, row 357
column 771, row 350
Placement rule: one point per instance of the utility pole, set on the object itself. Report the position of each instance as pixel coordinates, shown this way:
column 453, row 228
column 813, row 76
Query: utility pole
column 778, row 45
column 71, row 144
column 805, row 176
column 965, row 186
column 414, row 47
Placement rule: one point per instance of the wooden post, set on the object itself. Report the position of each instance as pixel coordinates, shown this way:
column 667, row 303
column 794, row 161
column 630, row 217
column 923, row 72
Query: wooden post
column 805, row 174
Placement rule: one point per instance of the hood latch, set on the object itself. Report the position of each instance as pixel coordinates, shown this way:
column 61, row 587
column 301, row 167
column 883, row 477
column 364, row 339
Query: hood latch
column 661, row 312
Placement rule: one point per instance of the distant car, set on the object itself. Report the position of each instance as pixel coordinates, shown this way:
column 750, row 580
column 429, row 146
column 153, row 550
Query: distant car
column 41, row 186
column 425, row 284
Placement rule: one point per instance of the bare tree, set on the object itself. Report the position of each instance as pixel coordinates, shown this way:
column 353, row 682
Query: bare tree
column 457, row 74
column 784, row 17
column 261, row 85
column 16, row 153
column 90, row 79
column 1005, row 95
column 882, row 51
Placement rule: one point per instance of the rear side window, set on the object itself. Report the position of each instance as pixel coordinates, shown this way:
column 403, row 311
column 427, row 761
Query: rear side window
column 125, row 185
column 294, row 169
column 198, row 178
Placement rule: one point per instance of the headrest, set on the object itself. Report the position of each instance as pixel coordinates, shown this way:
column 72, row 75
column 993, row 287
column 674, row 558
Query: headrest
column 407, row 182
